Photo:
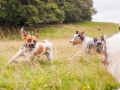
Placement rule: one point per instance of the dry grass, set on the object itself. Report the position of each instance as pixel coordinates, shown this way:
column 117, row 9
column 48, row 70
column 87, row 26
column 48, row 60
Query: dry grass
column 84, row 73
column 81, row 73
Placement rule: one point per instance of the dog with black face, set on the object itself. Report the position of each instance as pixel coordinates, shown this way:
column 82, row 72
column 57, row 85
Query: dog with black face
column 99, row 43
column 31, row 47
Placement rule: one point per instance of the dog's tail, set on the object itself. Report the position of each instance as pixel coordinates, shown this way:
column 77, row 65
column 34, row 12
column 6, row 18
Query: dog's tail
column 54, row 52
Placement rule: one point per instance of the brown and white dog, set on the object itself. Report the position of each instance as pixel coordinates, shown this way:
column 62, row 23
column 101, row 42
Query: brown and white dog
column 31, row 47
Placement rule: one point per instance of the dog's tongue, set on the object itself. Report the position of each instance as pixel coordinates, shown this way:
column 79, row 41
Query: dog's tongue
column 30, row 49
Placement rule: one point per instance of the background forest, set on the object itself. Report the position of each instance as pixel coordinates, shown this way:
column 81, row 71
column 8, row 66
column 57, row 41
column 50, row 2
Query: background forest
column 26, row 12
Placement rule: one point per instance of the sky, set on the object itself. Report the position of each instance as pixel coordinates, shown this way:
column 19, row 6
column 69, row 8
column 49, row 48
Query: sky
column 107, row 11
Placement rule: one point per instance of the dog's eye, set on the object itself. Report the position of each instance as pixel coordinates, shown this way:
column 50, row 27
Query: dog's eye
column 29, row 40
column 76, row 37
column 34, row 41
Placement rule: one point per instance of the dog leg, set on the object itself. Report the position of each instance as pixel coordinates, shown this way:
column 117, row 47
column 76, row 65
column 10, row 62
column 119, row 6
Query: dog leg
column 19, row 53
column 26, row 59
column 78, row 53
column 54, row 52
column 49, row 55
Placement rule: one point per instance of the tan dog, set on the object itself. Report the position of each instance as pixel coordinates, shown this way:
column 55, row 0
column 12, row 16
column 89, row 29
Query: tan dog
column 32, row 48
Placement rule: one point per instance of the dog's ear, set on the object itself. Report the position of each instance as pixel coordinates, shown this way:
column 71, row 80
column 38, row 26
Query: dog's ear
column 76, row 32
column 103, row 38
column 82, row 34
column 22, row 33
column 37, row 34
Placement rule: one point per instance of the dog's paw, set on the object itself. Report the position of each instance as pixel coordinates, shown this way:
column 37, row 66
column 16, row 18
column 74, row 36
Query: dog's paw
column 69, row 59
column 15, row 61
column 54, row 52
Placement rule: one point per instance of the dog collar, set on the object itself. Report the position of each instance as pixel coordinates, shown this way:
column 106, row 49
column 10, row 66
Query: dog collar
column 82, row 38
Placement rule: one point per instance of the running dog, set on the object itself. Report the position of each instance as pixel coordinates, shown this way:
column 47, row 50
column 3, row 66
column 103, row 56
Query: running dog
column 111, row 55
column 87, row 44
column 32, row 48
column 99, row 43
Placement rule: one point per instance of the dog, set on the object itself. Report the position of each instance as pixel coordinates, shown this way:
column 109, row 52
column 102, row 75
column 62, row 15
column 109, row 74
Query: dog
column 111, row 55
column 87, row 44
column 31, row 47
column 99, row 43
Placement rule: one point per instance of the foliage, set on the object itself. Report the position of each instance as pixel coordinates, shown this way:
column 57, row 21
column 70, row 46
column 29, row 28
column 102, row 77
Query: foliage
column 25, row 12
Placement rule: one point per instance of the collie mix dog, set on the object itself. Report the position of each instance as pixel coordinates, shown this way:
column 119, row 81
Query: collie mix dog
column 31, row 47
column 111, row 55
column 86, row 44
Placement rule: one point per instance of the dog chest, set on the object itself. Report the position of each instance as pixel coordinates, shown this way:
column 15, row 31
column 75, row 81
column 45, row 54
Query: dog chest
column 40, row 50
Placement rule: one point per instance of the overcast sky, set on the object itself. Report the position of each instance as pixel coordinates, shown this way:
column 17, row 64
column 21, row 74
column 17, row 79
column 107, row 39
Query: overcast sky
column 107, row 11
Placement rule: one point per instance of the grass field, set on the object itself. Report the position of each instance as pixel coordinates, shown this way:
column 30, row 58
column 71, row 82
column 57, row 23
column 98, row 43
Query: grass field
column 82, row 73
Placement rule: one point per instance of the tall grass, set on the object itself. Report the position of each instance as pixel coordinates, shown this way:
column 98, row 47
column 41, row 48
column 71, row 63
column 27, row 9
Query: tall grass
column 81, row 73
column 62, row 30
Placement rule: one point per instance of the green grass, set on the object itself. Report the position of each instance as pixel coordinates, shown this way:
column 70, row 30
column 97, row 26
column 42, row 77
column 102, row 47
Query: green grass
column 90, row 29
column 62, row 30
column 81, row 73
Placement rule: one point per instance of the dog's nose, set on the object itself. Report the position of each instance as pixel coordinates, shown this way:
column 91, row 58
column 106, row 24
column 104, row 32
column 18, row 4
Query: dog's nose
column 70, row 41
column 32, row 46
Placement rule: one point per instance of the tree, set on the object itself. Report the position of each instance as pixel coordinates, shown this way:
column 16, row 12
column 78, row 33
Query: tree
column 25, row 12
column 13, row 12
column 78, row 10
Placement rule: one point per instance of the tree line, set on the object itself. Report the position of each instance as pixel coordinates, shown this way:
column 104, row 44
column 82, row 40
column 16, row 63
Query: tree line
column 25, row 12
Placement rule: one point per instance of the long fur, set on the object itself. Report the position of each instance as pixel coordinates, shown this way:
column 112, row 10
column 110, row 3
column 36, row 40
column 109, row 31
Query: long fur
column 84, row 42
column 113, row 56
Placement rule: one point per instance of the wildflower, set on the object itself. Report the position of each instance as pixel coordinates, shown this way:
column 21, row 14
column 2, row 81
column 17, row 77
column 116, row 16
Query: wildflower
column 84, row 88
column 72, row 74
column 88, row 86
column 75, row 81
column 45, row 85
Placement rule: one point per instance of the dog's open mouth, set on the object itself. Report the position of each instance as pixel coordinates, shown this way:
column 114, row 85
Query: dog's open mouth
column 30, row 46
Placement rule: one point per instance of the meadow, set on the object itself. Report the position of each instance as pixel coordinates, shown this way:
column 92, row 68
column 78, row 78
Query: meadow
column 81, row 73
